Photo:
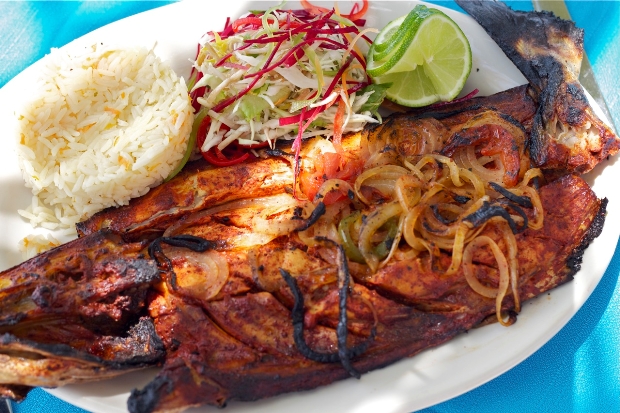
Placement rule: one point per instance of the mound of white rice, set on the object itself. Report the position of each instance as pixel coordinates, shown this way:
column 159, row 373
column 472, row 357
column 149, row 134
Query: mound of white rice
column 105, row 127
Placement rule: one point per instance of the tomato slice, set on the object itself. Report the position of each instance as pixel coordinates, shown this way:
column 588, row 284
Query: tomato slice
column 329, row 165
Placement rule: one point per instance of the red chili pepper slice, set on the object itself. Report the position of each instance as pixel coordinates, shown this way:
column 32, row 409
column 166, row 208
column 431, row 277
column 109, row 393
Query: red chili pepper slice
column 201, row 134
column 254, row 22
column 216, row 158
column 236, row 154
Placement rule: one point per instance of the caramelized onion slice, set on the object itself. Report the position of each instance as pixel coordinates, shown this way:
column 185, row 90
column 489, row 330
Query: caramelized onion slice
column 199, row 275
column 503, row 268
column 389, row 173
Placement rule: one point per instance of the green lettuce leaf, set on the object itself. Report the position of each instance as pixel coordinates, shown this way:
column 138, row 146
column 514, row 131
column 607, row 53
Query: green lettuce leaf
column 375, row 99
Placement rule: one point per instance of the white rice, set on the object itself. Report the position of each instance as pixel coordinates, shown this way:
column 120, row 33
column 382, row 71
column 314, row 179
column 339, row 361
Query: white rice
column 35, row 244
column 106, row 127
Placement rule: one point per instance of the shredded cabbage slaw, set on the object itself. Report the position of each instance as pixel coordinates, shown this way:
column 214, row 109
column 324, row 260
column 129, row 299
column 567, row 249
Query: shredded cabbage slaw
column 281, row 74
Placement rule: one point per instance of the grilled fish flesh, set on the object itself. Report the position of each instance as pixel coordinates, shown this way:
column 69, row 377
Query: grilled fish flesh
column 567, row 135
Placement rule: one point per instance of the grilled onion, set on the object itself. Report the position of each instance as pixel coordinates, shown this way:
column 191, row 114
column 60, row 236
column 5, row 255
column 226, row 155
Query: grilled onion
column 503, row 269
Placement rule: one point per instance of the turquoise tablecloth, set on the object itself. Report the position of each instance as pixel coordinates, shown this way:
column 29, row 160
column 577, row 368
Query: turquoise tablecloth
column 577, row 371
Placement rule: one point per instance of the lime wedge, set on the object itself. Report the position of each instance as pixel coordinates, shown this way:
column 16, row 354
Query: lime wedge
column 425, row 56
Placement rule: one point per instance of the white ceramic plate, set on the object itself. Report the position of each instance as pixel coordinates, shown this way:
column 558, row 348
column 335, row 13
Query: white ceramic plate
column 426, row 379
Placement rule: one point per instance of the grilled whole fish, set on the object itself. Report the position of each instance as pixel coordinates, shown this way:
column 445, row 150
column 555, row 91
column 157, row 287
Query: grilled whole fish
column 232, row 325
column 566, row 135
column 232, row 337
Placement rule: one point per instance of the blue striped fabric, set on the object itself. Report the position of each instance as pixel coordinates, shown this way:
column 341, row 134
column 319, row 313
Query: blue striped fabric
column 577, row 371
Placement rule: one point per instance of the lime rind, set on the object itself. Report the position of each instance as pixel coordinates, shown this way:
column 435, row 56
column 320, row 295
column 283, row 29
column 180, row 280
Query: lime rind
column 389, row 37
column 397, row 30
column 400, row 27
column 392, row 43
column 380, row 67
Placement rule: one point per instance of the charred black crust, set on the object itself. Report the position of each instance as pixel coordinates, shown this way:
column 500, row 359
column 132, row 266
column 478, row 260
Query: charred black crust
column 142, row 271
column 440, row 218
column 444, row 114
column 344, row 353
column 371, row 127
column 42, row 295
column 142, row 347
column 461, row 199
column 573, row 262
column 456, row 141
column 521, row 35
column 279, row 153
column 537, row 142
column 190, row 242
column 488, row 211
column 548, row 98
column 318, row 211
column 297, row 314
column 12, row 319
column 576, row 91
column 146, row 399
column 512, row 121
column 523, row 201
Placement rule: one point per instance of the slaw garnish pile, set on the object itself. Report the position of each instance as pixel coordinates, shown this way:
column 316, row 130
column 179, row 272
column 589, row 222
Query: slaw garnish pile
column 281, row 74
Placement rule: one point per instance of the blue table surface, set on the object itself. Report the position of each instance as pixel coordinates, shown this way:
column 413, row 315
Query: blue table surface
column 576, row 371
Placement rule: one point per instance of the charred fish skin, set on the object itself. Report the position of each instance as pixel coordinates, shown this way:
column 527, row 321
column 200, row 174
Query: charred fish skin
column 533, row 41
column 229, row 358
column 101, row 279
column 567, row 136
